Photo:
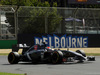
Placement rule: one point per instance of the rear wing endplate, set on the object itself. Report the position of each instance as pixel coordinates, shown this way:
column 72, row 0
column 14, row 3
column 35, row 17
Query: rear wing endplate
column 16, row 47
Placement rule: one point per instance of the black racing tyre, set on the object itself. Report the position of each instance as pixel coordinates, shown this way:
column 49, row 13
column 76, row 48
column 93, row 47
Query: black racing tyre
column 57, row 57
column 81, row 52
column 13, row 57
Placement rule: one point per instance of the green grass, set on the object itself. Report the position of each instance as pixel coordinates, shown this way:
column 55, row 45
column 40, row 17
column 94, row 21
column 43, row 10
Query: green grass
column 3, row 73
column 3, row 53
column 93, row 54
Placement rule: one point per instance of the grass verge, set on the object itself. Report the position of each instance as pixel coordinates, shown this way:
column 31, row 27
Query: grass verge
column 93, row 54
column 3, row 73
column 4, row 53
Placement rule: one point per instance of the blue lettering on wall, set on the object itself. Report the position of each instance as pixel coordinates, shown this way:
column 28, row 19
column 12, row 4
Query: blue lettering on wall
column 63, row 41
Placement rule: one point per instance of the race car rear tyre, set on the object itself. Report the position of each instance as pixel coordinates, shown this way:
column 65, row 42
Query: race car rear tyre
column 57, row 57
column 81, row 52
column 13, row 57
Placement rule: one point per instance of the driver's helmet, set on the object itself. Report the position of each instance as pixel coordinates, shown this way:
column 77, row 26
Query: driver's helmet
column 43, row 45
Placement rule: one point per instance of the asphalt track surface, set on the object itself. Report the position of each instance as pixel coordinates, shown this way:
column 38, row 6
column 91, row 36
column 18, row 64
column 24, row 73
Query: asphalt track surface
column 86, row 68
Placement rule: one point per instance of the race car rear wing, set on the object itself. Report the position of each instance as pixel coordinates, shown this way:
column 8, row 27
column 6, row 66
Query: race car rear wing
column 16, row 47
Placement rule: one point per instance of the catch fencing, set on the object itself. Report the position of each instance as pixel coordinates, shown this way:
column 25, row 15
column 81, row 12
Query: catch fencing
column 59, row 20
column 25, row 19
column 77, row 23
column 7, row 23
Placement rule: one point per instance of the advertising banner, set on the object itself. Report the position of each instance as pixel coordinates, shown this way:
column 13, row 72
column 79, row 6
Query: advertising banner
column 61, row 40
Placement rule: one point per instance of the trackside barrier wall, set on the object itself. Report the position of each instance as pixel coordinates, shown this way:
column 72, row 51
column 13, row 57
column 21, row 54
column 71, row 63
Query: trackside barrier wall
column 61, row 40
column 7, row 44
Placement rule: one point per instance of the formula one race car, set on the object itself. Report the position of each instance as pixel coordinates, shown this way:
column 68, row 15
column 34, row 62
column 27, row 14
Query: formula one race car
column 42, row 53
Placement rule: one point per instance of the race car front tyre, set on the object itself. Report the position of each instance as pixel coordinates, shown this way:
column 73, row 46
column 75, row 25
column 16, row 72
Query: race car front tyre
column 13, row 57
column 57, row 57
